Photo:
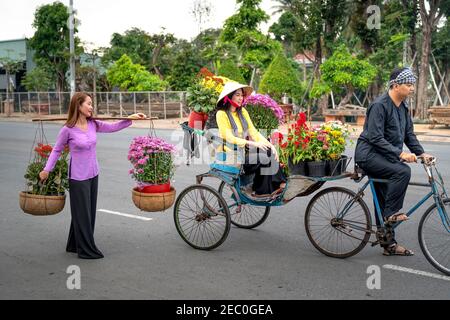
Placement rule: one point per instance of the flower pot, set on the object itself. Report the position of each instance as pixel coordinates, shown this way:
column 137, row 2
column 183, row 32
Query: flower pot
column 155, row 188
column 197, row 120
column 300, row 168
column 153, row 202
column 38, row 205
column 334, row 167
column 317, row 168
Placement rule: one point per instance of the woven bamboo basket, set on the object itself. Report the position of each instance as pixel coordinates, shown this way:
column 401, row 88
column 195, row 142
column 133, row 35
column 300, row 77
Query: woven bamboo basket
column 153, row 202
column 38, row 205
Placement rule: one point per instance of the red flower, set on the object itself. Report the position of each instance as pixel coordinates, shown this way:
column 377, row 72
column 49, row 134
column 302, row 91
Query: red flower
column 301, row 119
column 277, row 137
column 284, row 145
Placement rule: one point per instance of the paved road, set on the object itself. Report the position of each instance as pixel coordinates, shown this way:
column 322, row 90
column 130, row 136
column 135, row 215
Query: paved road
column 148, row 260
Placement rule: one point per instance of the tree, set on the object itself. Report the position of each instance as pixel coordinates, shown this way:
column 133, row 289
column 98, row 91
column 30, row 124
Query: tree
column 135, row 43
column 318, row 24
column 230, row 70
column 160, row 41
column 281, row 78
column 256, row 50
column 344, row 71
column 284, row 32
column 133, row 77
column 429, row 19
column 184, row 65
column 39, row 79
column 248, row 17
column 51, row 41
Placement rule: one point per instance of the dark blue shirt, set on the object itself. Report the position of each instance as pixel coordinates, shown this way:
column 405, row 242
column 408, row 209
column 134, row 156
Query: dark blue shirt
column 386, row 129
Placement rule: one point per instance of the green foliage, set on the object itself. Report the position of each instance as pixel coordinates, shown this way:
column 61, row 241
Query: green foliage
column 133, row 77
column 343, row 69
column 229, row 69
column 185, row 64
column 263, row 118
column 51, row 40
column 248, row 17
column 281, row 78
column 39, row 79
column 57, row 181
column 201, row 98
column 319, row 89
column 135, row 43
column 159, row 169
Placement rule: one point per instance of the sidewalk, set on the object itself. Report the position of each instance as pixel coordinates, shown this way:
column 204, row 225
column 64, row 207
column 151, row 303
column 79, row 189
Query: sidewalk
column 439, row 134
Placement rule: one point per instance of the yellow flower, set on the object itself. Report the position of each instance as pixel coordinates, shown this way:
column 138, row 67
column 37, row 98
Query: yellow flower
column 341, row 140
column 336, row 133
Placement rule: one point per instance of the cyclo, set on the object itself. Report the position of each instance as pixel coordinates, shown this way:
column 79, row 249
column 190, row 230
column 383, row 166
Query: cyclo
column 337, row 220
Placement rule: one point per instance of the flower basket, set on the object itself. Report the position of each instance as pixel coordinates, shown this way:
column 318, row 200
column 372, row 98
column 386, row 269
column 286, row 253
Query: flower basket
column 153, row 167
column 300, row 168
column 43, row 199
column 41, row 205
column 153, row 202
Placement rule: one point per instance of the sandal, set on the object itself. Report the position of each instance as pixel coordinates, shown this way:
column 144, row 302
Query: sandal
column 397, row 250
column 397, row 217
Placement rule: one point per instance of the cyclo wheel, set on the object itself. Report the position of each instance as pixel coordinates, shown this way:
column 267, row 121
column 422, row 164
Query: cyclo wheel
column 249, row 216
column 434, row 239
column 202, row 217
column 337, row 237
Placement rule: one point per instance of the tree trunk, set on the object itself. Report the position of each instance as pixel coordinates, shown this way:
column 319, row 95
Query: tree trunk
column 347, row 97
column 422, row 103
column 155, row 58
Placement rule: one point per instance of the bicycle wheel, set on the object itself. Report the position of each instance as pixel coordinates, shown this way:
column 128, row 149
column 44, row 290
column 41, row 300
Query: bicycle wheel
column 434, row 239
column 249, row 216
column 202, row 217
column 337, row 237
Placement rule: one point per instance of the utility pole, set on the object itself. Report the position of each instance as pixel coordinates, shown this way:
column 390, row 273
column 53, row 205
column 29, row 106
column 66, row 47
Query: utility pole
column 72, row 49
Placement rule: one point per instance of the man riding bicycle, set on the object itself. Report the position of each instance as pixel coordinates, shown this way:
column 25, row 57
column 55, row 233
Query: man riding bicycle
column 379, row 151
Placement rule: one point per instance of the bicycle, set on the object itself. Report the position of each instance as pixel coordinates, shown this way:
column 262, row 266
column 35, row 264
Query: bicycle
column 349, row 219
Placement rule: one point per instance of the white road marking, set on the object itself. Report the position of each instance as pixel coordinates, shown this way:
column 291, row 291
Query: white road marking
column 417, row 272
column 125, row 215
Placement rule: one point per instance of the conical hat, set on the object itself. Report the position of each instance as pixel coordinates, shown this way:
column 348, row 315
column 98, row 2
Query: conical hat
column 232, row 86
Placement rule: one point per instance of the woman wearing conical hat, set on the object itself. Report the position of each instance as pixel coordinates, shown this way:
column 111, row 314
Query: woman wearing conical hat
column 236, row 128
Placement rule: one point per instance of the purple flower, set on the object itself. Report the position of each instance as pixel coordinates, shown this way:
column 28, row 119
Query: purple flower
column 265, row 101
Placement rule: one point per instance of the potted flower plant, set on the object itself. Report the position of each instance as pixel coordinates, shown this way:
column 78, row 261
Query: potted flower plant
column 46, row 198
column 328, row 141
column 153, row 167
column 296, row 148
column 338, row 134
column 265, row 113
column 202, row 97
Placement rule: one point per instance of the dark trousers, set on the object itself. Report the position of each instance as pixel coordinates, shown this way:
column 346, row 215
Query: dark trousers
column 267, row 171
column 391, row 195
column 83, row 207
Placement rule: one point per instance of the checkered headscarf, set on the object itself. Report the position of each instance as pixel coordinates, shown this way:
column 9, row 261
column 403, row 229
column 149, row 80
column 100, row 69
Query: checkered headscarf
column 406, row 76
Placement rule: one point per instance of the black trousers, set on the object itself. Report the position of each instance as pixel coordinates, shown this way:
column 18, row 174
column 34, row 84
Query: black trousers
column 391, row 195
column 83, row 208
column 267, row 171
